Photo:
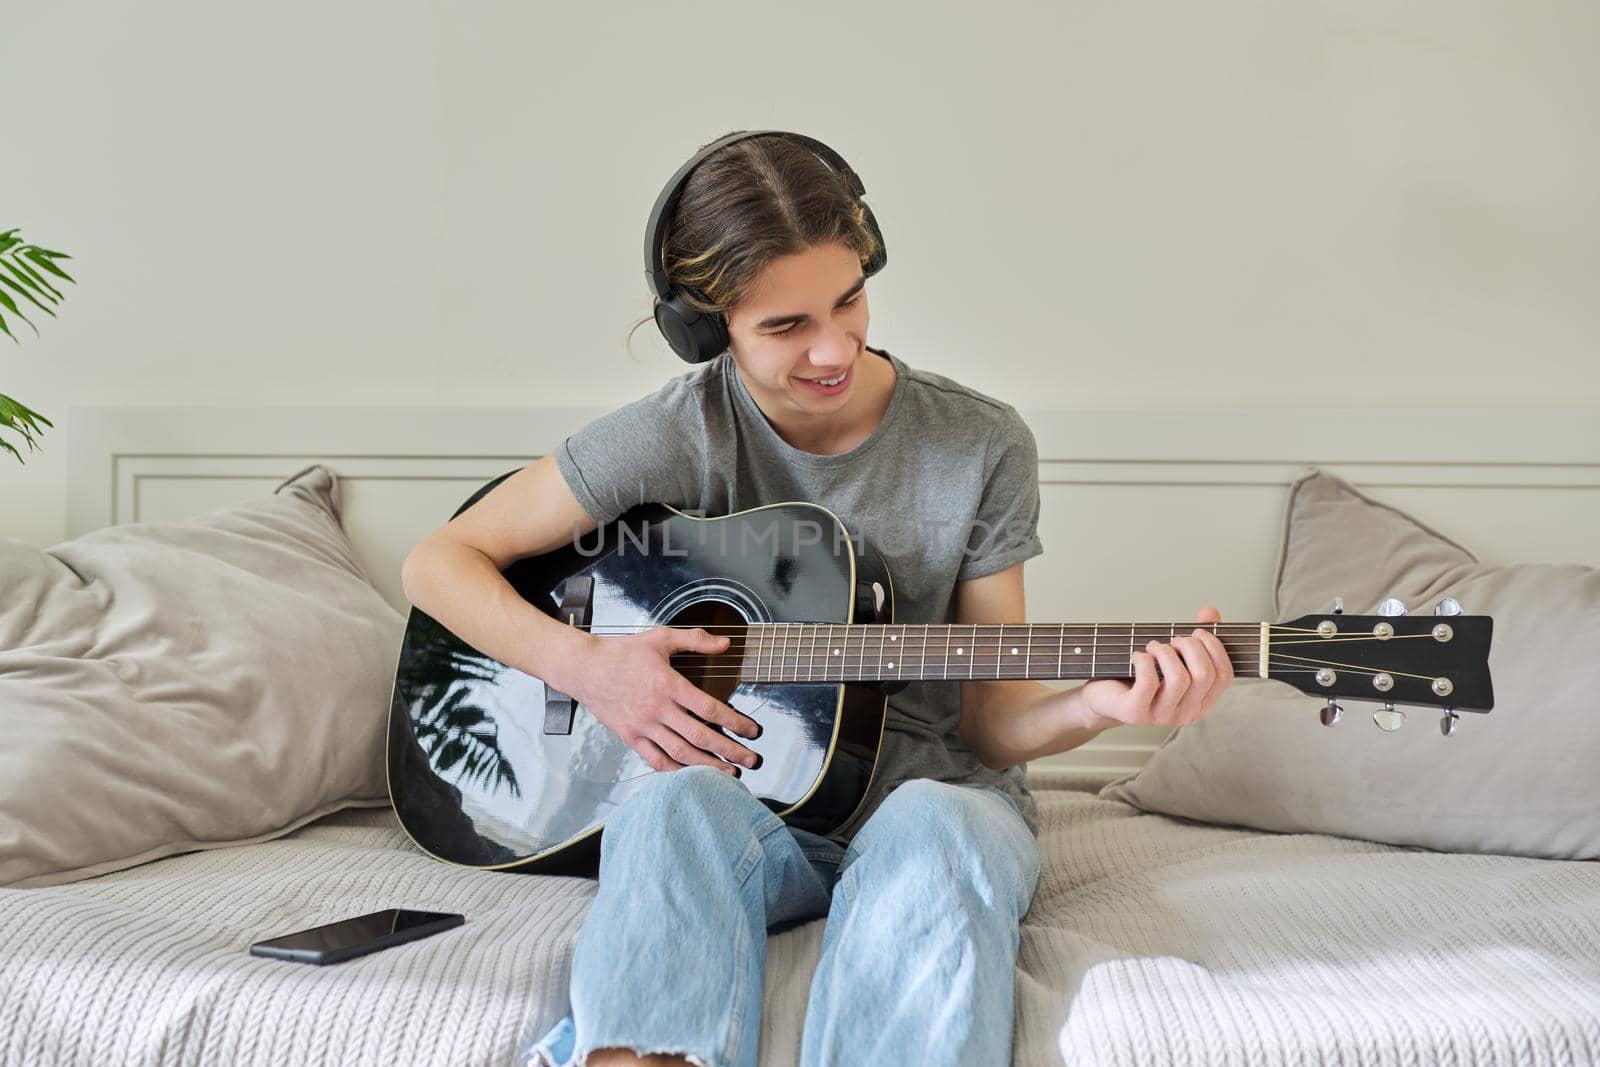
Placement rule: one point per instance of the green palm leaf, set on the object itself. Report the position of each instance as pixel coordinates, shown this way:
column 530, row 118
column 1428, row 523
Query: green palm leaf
column 14, row 416
column 23, row 267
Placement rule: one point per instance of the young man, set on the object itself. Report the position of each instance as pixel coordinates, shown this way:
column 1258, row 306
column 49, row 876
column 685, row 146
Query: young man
column 924, row 888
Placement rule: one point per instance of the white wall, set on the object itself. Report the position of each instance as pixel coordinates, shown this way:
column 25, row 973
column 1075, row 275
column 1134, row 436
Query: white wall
column 1086, row 205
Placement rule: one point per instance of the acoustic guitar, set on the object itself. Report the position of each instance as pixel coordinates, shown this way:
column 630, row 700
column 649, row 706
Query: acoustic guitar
column 488, row 767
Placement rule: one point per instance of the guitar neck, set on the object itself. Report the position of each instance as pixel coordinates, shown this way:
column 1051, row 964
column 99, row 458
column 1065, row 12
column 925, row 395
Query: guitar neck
column 818, row 652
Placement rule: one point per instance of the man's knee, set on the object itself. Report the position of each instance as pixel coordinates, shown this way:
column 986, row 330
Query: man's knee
column 953, row 837
column 693, row 796
column 938, row 810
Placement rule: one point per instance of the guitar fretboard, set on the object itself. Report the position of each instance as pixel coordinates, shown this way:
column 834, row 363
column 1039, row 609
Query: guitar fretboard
column 819, row 652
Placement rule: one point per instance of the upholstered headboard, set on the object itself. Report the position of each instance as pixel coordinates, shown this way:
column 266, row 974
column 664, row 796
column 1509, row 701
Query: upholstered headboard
column 1146, row 515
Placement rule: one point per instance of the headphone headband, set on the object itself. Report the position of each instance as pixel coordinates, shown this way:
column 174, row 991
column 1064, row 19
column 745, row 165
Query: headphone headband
column 697, row 337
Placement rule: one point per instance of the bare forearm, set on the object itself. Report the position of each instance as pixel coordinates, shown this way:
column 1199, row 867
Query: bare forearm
column 1018, row 721
column 463, row 589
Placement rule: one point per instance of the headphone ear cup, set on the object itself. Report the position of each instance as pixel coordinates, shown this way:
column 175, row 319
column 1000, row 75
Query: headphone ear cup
column 697, row 337
column 881, row 256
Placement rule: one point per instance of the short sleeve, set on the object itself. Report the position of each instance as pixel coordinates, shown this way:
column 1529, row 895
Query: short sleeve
column 1005, row 530
column 649, row 451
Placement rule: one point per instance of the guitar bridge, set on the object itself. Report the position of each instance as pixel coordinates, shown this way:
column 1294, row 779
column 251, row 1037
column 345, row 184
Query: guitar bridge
column 576, row 594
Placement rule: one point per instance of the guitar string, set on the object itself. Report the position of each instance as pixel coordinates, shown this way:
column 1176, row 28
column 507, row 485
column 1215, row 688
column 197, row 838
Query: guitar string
column 1034, row 644
column 1293, row 665
column 1277, row 670
column 1033, row 640
column 1234, row 629
column 1359, row 669
column 796, row 646
column 992, row 625
column 1247, row 659
column 1289, row 663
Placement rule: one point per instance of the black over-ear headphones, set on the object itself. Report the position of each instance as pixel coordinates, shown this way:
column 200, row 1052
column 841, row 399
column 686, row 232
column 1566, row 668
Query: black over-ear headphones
column 695, row 336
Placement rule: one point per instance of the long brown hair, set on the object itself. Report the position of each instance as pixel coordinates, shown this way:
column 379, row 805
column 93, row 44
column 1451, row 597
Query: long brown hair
column 748, row 204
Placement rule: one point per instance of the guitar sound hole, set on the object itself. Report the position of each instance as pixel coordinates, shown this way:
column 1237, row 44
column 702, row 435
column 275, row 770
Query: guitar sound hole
column 718, row 672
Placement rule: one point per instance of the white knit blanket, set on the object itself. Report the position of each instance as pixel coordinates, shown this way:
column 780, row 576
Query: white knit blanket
column 1151, row 941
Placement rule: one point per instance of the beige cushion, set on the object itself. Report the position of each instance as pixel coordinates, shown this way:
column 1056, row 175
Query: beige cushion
column 172, row 686
column 1519, row 780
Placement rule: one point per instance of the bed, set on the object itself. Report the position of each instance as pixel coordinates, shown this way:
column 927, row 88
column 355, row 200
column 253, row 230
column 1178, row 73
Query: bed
column 1153, row 938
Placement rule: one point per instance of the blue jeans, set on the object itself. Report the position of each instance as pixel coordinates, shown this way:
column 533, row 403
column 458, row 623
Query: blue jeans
column 918, row 952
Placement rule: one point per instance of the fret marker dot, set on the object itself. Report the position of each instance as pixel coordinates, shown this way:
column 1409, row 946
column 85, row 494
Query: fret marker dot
column 1077, row 649
column 894, row 637
column 960, row 651
column 891, row 666
column 836, row 652
column 1013, row 652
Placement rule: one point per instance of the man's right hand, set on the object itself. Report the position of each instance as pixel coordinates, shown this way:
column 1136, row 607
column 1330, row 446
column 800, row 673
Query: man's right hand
column 630, row 685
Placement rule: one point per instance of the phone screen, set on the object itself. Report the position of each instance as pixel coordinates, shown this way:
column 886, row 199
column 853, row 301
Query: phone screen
column 363, row 933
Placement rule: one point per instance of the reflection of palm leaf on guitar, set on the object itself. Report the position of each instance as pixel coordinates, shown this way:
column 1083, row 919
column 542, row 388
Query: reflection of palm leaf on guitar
column 454, row 732
column 451, row 731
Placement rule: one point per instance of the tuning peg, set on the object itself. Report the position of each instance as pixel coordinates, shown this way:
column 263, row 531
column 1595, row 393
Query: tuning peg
column 1331, row 713
column 1391, row 607
column 1338, row 606
column 1389, row 720
column 1448, row 606
column 1447, row 725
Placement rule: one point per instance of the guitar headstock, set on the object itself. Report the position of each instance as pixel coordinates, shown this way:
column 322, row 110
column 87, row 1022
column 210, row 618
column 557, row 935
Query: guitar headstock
column 1437, row 661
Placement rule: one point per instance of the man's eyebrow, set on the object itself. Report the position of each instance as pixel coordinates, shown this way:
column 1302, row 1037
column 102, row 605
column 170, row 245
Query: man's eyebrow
column 784, row 320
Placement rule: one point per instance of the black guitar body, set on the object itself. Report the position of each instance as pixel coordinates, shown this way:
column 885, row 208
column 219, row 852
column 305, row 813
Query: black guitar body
column 483, row 774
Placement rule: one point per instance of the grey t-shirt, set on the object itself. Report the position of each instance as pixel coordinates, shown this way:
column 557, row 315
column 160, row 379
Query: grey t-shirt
column 945, row 488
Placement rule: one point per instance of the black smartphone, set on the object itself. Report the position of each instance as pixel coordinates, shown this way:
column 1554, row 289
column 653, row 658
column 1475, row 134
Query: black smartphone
column 346, row 938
